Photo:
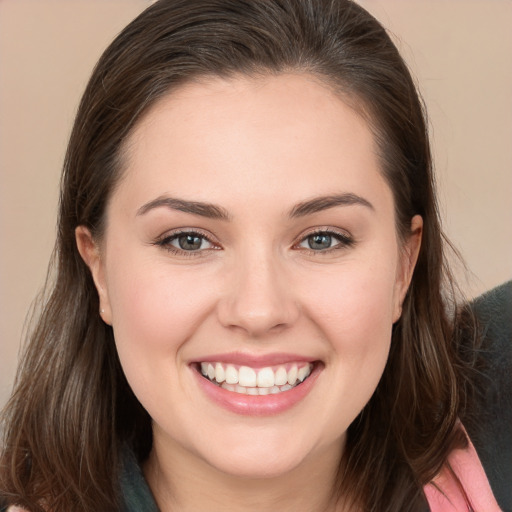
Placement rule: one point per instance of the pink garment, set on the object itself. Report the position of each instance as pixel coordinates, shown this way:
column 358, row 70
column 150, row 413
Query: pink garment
column 462, row 485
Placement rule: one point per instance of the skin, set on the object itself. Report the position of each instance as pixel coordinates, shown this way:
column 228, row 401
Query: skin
column 256, row 288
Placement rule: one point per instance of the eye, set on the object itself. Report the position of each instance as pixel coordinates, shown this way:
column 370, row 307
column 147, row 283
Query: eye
column 189, row 242
column 186, row 242
column 323, row 241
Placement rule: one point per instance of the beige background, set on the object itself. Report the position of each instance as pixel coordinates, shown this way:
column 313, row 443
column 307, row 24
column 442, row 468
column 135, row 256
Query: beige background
column 460, row 51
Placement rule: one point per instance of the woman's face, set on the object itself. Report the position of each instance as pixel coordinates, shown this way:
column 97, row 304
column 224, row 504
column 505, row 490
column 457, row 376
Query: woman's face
column 252, row 238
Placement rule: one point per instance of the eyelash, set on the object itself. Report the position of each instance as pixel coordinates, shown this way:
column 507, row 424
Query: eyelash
column 166, row 240
column 344, row 241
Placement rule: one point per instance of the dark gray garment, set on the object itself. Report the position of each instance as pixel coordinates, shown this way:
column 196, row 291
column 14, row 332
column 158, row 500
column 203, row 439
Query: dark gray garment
column 489, row 418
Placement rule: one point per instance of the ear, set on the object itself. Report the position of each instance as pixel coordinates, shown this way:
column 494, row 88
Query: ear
column 407, row 262
column 90, row 252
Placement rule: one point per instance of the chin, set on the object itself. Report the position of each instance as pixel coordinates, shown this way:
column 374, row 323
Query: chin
column 269, row 456
column 259, row 467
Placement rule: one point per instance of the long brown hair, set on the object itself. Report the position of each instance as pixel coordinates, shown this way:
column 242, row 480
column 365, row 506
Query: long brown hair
column 72, row 410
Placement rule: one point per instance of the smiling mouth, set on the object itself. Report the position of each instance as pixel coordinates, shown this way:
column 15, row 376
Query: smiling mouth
column 245, row 380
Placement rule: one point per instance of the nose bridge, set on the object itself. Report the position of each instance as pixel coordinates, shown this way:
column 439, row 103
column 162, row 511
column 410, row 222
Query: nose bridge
column 258, row 298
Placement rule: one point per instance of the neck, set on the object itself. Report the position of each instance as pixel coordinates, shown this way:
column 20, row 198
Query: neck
column 181, row 481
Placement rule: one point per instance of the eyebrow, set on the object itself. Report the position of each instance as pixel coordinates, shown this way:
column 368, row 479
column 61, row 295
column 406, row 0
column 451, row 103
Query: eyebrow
column 208, row 210
column 212, row 211
column 319, row 204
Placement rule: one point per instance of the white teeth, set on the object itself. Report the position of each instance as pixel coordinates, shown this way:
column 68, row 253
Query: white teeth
column 220, row 374
column 231, row 375
column 265, row 378
column 281, row 377
column 236, row 388
column 247, row 376
column 303, row 373
column 268, row 380
column 292, row 375
column 211, row 372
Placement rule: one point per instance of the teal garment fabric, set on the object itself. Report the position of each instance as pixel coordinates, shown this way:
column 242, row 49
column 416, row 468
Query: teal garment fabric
column 137, row 496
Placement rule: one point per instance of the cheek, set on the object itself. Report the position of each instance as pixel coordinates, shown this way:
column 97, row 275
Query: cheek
column 155, row 310
column 354, row 302
column 354, row 309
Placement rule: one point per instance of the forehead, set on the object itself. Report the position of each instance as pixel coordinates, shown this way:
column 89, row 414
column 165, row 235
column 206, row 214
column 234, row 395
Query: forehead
column 259, row 101
column 222, row 138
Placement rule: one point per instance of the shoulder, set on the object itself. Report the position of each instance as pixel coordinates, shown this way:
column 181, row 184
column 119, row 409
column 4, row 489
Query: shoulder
column 462, row 484
column 488, row 420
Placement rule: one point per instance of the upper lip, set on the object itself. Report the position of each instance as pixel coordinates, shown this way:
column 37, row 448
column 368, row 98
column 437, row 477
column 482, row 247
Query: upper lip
column 255, row 360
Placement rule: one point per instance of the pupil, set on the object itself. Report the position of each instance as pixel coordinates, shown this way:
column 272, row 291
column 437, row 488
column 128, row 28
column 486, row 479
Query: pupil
column 189, row 242
column 319, row 241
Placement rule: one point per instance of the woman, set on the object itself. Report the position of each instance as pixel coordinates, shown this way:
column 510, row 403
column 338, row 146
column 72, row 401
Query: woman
column 247, row 311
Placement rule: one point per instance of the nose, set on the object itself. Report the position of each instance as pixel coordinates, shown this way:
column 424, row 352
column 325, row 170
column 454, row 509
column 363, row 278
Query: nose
column 258, row 297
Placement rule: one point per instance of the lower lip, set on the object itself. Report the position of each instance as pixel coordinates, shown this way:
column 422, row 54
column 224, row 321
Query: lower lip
column 259, row 405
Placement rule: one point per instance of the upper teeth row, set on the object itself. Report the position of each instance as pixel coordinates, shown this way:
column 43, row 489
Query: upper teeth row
column 248, row 377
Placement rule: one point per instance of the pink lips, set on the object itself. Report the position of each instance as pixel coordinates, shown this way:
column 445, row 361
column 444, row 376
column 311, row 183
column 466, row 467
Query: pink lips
column 261, row 405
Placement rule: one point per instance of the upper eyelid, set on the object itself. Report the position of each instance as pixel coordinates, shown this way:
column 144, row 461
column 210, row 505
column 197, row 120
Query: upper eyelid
column 328, row 230
column 345, row 240
column 184, row 231
column 164, row 241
